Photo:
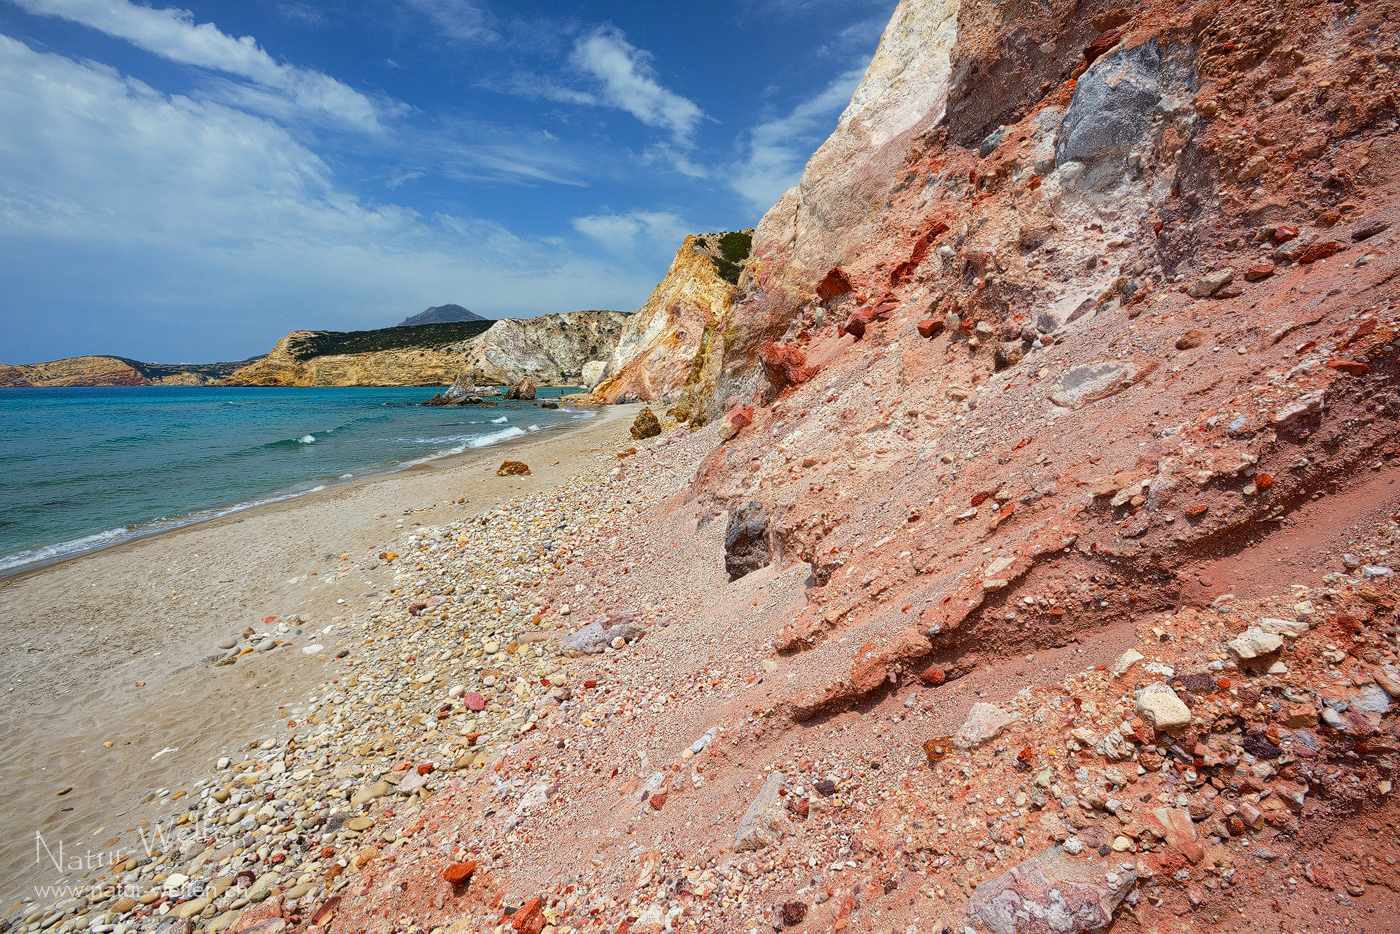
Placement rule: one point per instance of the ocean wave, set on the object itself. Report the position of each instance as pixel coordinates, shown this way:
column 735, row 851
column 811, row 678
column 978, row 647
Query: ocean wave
column 50, row 554
column 500, row 421
column 62, row 550
column 532, row 427
column 307, row 439
column 496, row 437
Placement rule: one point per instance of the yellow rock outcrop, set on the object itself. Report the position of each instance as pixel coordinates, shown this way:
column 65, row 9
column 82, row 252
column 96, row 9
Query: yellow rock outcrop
column 660, row 344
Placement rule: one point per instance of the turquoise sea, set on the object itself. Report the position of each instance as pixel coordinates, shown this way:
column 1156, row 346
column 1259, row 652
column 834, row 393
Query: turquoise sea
column 82, row 469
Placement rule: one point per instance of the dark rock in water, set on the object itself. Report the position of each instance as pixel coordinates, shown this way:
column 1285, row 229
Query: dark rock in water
column 646, row 425
column 1052, row 891
column 549, row 405
column 514, row 469
column 523, row 390
column 746, row 546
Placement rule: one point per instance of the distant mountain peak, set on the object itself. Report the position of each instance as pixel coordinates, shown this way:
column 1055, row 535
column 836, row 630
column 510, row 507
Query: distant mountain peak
column 442, row 314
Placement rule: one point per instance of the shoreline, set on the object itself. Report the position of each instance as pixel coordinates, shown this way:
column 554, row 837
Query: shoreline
column 108, row 659
column 221, row 513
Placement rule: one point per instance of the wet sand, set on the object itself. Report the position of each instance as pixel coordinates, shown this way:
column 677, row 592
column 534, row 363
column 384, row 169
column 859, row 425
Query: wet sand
column 79, row 637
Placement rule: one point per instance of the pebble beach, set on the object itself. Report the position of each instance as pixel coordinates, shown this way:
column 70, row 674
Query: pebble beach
column 142, row 682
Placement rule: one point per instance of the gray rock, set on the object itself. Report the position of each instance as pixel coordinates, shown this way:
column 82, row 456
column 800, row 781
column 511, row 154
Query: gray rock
column 596, row 636
column 1090, row 382
column 746, row 545
column 230, row 643
column 1254, row 642
column 1052, row 892
column 984, row 722
column 1209, row 284
column 1290, row 250
column 990, row 144
column 1373, row 699
column 765, row 821
column 1283, row 627
column 1115, row 110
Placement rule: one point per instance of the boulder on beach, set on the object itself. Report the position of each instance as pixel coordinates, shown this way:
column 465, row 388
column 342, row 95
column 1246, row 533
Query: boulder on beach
column 646, row 425
column 514, row 469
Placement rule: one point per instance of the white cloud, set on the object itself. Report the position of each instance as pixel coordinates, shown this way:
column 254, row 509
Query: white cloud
column 629, row 83
column 779, row 149
column 619, row 232
column 174, row 35
column 154, row 224
column 457, row 19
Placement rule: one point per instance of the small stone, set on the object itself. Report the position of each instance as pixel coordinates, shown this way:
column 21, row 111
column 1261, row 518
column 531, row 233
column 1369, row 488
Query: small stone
column 1122, row 844
column 1191, row 339
column 459, row 873
column 1372, row 698
column 766, row 820
column 360, row 824
column 513, row 469
column 929, row 327
column 1209, row 284
column 474, row 701
column 1254, row 642
column 1158, row 704
column 1283, row 627
column 984, row 722
column 1368, row 229
column 1126, row 661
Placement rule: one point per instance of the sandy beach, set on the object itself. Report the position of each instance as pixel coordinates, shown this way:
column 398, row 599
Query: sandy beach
column 113, row 694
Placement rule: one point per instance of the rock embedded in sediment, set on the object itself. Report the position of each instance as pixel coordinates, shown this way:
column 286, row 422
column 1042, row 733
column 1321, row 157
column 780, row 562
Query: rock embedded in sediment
column 984, row 723
column 766, row 820
column 746, row 544
column 513, row 469
column 1158, row 704
column 598, row 636
column 1052, row 891
column 1255, row 642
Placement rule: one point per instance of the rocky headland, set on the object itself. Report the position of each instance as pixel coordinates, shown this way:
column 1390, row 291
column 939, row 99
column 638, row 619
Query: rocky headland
column 552, row 350
column 113, row 371
column 1017, row 555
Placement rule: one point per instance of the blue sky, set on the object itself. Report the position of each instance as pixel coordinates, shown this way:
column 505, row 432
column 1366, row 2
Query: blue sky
column 188, row 183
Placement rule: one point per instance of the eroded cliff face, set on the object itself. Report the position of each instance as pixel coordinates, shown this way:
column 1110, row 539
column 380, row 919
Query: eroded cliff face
column 551, row 350
column 658, row 346
column 1073, row 294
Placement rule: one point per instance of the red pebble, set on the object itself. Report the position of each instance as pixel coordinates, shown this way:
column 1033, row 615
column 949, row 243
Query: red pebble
column 933, row 675
column 459, row 873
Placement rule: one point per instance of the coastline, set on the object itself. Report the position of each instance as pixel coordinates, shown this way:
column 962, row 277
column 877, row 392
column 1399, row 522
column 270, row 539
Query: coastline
column 84, row 631
column 106, row 539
